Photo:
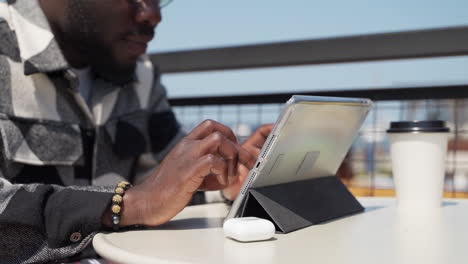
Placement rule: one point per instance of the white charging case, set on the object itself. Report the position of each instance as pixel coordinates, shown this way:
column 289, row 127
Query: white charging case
column 246, row 229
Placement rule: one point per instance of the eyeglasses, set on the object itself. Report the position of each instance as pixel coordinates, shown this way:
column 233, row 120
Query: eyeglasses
column 162, row 3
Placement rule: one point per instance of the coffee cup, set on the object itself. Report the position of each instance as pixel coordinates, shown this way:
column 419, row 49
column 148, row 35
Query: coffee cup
column 418, row 152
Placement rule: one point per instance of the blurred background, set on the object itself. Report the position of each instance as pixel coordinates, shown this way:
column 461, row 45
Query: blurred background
column 432, row 85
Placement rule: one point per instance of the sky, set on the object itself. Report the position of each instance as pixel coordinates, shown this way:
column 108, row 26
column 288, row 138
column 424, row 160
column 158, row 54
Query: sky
column 190, row 24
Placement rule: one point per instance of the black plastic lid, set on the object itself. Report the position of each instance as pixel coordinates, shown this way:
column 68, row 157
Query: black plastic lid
column 418, row 126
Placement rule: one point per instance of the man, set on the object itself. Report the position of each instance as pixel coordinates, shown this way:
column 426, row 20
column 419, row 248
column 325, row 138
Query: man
column 81, row 108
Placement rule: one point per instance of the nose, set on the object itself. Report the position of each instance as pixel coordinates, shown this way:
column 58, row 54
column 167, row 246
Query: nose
column 149, row 12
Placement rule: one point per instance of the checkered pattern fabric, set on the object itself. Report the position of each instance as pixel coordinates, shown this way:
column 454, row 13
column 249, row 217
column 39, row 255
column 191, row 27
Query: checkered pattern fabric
column 59, row 157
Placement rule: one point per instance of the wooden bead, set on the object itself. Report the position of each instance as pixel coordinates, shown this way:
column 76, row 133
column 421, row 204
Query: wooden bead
column 117, row 198
column 116, row 209
column 119, row 190
column 123, row 184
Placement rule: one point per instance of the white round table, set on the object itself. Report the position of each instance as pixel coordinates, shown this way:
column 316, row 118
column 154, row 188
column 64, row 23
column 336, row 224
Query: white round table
column 382, row 234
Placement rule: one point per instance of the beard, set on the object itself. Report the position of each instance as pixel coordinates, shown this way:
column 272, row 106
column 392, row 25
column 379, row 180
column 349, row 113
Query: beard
column 82, row 31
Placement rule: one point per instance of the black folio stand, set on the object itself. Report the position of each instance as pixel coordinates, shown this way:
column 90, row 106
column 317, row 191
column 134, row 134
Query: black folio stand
column 295, row 205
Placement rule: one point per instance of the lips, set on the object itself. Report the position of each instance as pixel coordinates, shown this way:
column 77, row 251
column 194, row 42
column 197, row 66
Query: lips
column 137, row 44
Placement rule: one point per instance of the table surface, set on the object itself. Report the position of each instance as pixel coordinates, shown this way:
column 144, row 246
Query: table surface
column 381, row 234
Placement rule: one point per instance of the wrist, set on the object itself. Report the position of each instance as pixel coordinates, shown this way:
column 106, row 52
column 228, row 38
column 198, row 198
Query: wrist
column 130, row 214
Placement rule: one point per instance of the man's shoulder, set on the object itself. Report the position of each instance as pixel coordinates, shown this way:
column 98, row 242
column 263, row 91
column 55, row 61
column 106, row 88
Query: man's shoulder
column 10, row 62
column 8, row 42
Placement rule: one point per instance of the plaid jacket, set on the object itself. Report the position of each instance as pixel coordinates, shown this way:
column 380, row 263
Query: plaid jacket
column 50, row 138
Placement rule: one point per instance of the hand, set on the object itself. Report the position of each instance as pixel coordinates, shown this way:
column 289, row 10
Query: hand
column 253, row 145
column 207, row 159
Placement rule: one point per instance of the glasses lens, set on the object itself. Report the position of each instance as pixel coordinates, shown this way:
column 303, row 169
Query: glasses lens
column 163, row 3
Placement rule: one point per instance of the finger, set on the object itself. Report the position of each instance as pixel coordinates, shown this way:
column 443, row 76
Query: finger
column 231, row 152
column 211, row 183
column 207, row 127
column 216, row 143
column 258, row 138
column 210, row 165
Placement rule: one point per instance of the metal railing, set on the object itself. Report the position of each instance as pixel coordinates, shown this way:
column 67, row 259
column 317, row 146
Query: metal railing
column 368, row 163
column 441, row 42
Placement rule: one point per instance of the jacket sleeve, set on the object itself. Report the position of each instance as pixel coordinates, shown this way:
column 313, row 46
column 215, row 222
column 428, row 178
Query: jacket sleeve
column 164, row 129
column 42, row 223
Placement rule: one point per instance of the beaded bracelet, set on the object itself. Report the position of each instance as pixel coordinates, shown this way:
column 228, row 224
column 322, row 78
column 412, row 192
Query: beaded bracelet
column 117, row 199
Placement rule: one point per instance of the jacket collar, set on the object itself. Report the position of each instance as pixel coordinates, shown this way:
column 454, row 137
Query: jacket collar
column 39, row 49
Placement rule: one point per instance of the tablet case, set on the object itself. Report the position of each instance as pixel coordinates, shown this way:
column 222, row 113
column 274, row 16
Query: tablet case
column 295, row 205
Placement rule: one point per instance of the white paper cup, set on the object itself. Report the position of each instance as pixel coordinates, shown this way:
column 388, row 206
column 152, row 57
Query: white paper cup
column 418, row 151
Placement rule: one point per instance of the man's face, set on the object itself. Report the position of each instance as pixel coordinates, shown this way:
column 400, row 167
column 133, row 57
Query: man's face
column 111, row 34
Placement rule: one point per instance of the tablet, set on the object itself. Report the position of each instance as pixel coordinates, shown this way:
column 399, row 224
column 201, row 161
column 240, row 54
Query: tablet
column 309, row 140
